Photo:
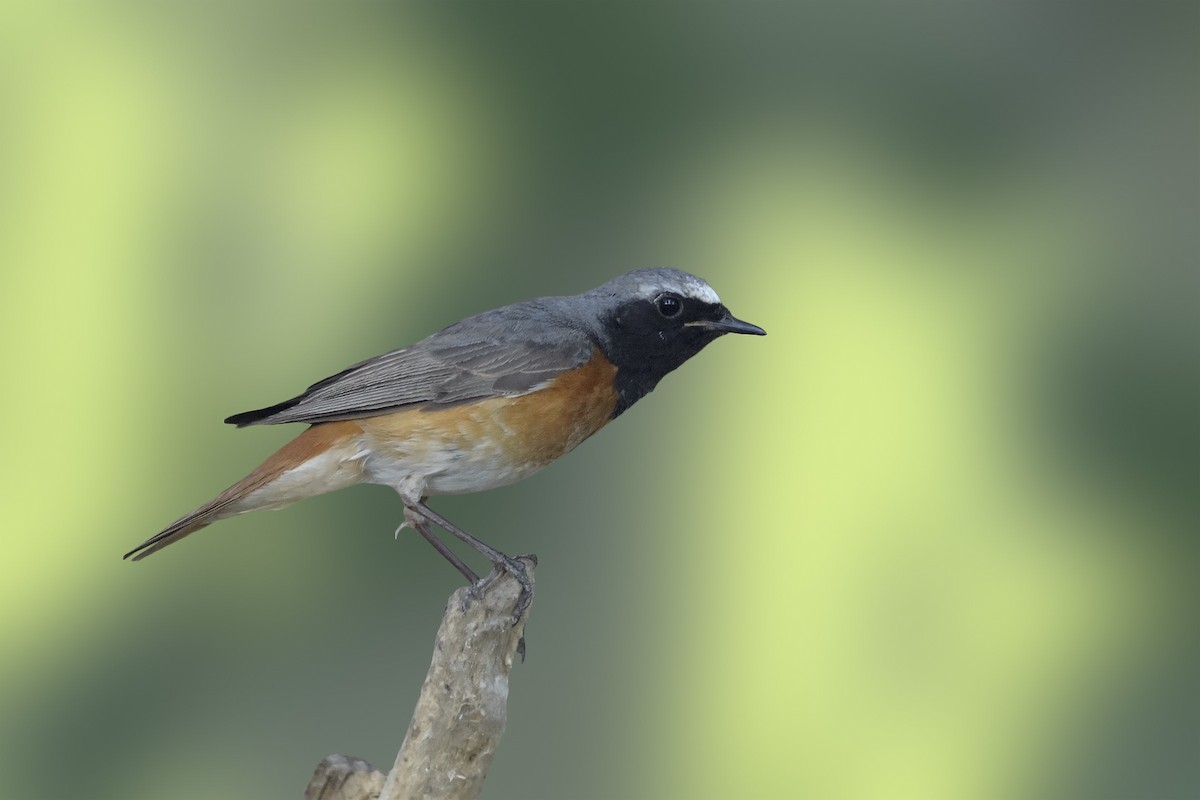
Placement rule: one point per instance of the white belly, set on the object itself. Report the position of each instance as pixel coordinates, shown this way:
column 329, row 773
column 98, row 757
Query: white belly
column 443, row 468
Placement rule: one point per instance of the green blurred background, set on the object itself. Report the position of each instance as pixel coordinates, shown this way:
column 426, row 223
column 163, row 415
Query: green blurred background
column 935, row 537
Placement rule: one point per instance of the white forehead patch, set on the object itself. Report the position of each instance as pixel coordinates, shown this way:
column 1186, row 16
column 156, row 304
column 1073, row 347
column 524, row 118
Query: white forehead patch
column 684, row 285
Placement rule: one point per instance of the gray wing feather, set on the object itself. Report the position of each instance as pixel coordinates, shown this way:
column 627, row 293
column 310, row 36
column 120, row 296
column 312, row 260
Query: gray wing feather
column 495, row 354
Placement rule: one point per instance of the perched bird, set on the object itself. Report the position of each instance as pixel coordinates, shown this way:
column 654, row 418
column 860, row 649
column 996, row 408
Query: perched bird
column 483, row 403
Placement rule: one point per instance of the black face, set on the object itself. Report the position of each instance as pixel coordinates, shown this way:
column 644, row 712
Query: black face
column 649, row 338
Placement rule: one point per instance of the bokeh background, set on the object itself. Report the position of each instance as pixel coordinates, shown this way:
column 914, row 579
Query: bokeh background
column 934, row 537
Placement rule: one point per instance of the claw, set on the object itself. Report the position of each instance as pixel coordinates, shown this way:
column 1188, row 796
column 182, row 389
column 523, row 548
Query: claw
column 516, row 568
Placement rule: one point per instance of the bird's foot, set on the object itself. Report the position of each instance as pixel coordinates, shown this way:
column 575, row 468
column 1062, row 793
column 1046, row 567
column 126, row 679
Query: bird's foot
column 421, row 514
column 515, row 566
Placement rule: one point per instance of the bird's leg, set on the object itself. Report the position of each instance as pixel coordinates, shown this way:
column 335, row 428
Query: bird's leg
column 421, row 526
column 499, row 560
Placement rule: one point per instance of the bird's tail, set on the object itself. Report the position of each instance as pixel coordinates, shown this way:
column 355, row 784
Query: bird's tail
column 324, row 458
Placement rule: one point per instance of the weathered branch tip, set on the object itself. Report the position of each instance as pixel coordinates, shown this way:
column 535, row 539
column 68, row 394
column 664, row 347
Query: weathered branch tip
column 463, row 707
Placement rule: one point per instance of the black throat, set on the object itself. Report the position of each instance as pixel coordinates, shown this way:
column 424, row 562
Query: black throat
column 632, row 385
column 644, row 350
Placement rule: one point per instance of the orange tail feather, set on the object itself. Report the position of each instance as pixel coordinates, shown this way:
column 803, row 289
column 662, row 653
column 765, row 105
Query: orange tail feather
column 255, row 491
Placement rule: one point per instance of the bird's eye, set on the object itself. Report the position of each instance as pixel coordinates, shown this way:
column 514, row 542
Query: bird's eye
column 668, row 305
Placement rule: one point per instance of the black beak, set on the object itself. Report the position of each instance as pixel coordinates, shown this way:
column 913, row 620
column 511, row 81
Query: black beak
column 728, row 324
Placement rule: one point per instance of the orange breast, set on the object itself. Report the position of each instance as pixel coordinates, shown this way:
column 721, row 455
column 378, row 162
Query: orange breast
column 542, row 426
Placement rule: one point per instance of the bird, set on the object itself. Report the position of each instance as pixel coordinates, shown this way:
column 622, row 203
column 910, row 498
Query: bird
column 480, row 404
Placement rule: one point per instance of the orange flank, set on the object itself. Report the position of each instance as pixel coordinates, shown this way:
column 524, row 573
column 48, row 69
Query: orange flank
column 530, row 430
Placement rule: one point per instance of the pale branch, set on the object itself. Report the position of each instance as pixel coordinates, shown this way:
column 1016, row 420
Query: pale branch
column 461, row 713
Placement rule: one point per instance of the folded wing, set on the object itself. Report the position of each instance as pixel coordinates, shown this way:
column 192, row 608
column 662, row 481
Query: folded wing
column 463, row 362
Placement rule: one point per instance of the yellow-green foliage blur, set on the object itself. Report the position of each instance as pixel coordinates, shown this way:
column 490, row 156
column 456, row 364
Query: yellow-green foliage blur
column 933, row 538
